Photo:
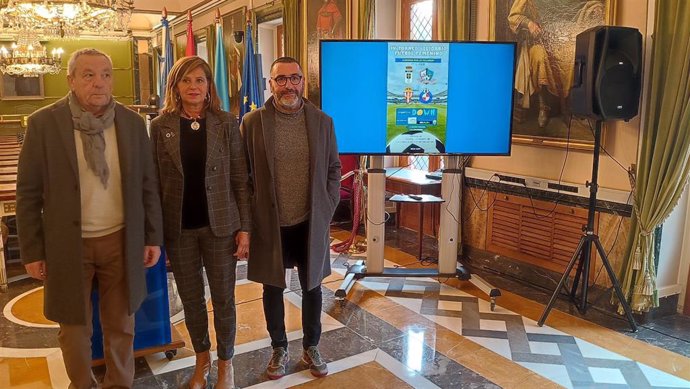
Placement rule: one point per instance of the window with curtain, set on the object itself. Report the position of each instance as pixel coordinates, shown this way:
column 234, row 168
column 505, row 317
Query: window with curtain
column 418, row 21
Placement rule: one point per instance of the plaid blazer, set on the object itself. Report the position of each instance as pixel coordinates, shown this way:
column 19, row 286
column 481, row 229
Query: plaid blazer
column 227, row 180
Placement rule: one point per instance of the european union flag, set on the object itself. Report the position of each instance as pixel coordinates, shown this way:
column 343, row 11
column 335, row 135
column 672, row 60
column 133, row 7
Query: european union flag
column 250, row 92
column 220, row 69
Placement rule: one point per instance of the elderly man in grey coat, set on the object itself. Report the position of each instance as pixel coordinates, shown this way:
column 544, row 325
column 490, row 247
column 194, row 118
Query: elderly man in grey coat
column 295, row 169
column 88, row 209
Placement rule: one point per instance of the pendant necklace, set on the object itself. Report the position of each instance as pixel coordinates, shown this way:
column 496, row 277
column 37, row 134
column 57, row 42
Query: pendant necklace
column 195, row 125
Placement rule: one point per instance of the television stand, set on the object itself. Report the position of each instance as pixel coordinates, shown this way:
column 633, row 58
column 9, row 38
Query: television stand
column 421, row 200
column 447, row 237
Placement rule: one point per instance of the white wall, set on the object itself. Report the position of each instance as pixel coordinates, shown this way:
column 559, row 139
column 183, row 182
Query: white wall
column 668, row 279
column 386, row 19
column 684, row 269
column 267, row 47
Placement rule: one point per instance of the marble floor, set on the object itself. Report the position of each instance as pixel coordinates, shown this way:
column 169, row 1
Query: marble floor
column 391, row 333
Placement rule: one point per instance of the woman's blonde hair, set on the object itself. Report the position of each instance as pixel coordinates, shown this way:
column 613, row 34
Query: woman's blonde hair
column 173, row 103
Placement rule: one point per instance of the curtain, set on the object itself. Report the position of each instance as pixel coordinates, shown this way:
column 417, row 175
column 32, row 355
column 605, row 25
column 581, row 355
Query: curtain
column 365, row 19
column 291, row 23
column 663, row 165
column 453, row 19
column 452, row 23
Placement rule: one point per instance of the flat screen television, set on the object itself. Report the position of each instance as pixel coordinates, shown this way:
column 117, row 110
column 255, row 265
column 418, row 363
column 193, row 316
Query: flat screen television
column 419, row 97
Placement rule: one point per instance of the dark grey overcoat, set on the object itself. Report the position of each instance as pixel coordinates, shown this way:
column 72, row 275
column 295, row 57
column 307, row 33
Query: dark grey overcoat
column 265, row 253
column 49, row 206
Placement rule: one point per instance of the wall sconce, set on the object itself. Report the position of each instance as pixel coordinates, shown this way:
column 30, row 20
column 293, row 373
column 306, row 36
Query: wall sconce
column 239, row 35
column 154, row 100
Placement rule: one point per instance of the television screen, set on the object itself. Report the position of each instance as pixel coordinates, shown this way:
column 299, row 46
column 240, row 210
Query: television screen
column 419, row 97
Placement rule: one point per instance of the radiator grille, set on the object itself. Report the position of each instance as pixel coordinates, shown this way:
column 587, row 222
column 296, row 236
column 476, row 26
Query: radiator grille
column 534, row 231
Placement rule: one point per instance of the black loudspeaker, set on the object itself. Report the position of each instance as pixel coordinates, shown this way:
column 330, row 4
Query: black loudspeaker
column 608, row 72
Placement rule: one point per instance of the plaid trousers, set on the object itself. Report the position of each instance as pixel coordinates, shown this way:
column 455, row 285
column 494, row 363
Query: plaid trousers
column 193, row 250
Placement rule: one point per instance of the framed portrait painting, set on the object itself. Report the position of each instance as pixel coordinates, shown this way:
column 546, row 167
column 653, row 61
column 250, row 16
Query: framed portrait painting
column 545, row 32
column 322, row 19
column 21, row 88
column 234, row 26
column 180, row 45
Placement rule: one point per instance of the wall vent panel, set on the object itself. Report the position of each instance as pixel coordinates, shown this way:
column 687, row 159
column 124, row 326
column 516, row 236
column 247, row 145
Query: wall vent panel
column 535, row 231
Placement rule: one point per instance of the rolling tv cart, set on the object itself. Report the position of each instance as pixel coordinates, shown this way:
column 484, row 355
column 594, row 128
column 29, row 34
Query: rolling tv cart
column 447, row 237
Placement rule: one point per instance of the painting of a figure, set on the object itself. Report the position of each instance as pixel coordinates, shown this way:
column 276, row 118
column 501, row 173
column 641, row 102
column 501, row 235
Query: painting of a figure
column 545, row 31
column 325, row 19
column 180, row 45
column 329, row 21
column 233, row 24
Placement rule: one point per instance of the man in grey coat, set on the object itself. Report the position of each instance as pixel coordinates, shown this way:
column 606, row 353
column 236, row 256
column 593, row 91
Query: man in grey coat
column 295, row 169
column 88, row 209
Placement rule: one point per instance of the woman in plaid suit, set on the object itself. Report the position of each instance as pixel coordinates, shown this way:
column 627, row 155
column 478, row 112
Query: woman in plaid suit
column 204, row 182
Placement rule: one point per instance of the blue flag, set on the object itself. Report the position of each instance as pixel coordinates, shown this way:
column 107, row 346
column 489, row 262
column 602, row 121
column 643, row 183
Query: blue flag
column 250, row 95
column 167, row 58
column 220, row 70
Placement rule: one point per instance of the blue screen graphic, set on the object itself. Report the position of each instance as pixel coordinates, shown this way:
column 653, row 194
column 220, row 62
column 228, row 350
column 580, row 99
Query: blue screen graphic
column 355, row 93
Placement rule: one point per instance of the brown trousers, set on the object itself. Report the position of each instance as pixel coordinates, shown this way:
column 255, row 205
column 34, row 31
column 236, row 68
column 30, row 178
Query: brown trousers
column 103, row 260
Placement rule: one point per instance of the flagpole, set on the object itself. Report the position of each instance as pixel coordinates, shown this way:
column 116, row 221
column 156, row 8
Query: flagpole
column 166, row 52
column 250, row 95
column 191, row 44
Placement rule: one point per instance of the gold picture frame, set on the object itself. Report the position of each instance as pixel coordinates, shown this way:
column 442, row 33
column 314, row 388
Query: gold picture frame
column 205, row 41
column 21, row 88
column 180, row 44
column 545, row 31
column 321, row 19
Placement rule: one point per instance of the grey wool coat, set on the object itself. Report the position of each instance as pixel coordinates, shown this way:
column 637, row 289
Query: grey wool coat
column 227, row 180
column 49, row 206
column 265, row 263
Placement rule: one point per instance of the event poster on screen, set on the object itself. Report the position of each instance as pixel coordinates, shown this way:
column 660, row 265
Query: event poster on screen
column 417, row 98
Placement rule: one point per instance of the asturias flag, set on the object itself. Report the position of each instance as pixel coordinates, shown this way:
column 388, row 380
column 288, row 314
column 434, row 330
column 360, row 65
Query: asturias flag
column 220, row 69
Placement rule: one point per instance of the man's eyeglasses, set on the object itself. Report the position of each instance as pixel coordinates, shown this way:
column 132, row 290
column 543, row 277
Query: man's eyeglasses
column 295, row 79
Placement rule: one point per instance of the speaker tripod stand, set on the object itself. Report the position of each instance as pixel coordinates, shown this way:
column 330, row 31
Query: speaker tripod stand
column 584, row 253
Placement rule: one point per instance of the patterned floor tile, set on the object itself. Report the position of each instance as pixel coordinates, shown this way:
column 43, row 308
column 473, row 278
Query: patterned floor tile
column 556, row 355
column 368, row 375
column 398, row 332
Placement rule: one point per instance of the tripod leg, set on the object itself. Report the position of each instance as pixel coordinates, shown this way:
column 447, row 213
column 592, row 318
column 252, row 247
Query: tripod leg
column 586, row 261
column 576, row 279
column 561, row 282
column 616, row 285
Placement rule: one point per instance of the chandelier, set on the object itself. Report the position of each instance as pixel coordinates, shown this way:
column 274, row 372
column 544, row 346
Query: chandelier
column 28, row 58
column 66, row 18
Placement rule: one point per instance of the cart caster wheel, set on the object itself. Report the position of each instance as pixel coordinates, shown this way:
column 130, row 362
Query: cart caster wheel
column 493, row 304
column 170, row 354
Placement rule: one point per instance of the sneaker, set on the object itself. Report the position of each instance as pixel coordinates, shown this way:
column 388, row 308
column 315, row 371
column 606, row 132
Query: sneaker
column 312, row 358
column 276, row 366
